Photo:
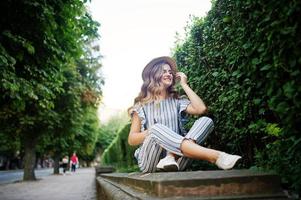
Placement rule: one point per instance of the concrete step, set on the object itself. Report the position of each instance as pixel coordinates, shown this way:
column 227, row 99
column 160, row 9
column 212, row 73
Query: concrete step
column 232, row 184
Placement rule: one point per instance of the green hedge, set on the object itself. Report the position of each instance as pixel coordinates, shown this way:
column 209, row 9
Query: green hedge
column 244, row 60
column 119, row 153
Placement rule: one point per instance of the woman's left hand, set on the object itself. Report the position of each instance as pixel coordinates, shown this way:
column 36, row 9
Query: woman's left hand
column 181, row 77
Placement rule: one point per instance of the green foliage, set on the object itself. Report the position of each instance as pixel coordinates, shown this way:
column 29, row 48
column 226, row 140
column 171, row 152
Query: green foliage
column 8, row 144
column 274, row 130
column 50, row 86
column 243, row 59
column 34, row 56
column 85, row 139
column 119, row 153
column 109, row 130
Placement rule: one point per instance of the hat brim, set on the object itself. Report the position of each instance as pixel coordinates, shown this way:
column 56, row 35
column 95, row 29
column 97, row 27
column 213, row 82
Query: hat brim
column 171, row 62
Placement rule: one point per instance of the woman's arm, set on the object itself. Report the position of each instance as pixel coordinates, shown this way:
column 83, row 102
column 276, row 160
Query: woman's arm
column 197, row 106
column 136, row 137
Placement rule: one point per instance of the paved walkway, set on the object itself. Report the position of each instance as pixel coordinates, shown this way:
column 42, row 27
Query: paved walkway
column 78, row 186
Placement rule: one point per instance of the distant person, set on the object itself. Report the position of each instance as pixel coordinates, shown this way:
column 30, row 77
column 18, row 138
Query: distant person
column 74, row 162
column 65, row 164
column 156, row 122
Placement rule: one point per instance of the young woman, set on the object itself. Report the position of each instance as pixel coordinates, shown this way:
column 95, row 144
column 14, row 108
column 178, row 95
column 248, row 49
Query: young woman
column 65, row 164
column 156, row 124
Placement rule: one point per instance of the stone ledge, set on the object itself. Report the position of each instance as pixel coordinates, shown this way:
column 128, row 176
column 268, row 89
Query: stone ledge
column 218, row 184
column 110, row 190
column 106, row 190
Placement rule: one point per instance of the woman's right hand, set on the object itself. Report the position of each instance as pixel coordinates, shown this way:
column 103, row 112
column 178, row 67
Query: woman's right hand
column 181, row 77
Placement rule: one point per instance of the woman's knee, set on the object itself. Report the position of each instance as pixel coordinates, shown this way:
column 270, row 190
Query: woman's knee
column 200, row 129
column 206, row 121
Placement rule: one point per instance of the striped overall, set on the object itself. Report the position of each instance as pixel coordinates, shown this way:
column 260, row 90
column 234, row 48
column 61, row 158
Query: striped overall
column 162, row 121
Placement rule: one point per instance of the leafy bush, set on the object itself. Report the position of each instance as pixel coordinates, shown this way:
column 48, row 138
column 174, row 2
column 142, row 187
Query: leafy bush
column 119, row 153
column 108, row 130
column 244, row 60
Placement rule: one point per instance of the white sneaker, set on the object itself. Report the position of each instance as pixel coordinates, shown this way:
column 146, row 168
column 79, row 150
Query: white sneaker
column 226, row 161
column 168, row 164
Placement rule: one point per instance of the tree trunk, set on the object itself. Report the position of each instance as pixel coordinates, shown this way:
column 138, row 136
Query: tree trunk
column 56, row 166
column 29, row 158
column 7, row 166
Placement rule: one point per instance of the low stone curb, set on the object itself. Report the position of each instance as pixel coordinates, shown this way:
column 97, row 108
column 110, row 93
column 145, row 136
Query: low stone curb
column 232, row 184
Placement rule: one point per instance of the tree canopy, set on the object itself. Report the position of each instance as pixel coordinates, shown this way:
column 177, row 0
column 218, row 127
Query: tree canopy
column 49, row 75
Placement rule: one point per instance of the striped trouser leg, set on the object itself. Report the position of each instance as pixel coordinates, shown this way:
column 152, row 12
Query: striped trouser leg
column 198, row 132
column 161, row 137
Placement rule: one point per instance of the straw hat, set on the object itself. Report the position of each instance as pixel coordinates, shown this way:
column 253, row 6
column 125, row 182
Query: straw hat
column 171, row 62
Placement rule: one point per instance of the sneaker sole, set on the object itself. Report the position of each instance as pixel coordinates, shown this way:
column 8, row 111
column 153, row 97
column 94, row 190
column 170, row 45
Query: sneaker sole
column 171, row 168
column 168, row 168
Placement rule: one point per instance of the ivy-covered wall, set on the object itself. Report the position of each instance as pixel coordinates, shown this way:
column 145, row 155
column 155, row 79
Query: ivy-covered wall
column 244, row 60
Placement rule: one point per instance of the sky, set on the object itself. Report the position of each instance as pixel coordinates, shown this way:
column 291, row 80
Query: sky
column 132, row 32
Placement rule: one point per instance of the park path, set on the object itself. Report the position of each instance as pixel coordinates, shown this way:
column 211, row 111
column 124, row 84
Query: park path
column 77, row 186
